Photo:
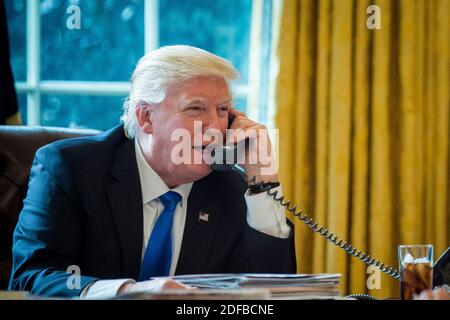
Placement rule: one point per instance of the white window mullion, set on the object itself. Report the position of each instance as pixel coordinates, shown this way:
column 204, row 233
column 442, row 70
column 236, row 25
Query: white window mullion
column 91, row 88
column 151, row 25
column 254, row 74
column 33, row 62
column 23, row 87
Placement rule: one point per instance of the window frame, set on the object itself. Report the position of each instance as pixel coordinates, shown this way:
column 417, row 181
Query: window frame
column 34, row 87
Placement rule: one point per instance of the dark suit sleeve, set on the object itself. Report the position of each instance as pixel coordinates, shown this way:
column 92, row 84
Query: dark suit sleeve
column 47, row 238
column 262, row 253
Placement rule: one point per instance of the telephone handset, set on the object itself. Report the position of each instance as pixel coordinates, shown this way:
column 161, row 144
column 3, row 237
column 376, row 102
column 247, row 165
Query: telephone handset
column 226, row 158
column 230, row 151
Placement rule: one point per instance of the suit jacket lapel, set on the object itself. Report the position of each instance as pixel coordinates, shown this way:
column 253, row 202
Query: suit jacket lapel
column 198, row 233
column 125, row 200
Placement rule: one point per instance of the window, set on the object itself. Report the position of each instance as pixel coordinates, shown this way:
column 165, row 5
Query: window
column 79, row 77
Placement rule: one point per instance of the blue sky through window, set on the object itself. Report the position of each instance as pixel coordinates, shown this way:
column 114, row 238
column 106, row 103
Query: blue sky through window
column 110, row 42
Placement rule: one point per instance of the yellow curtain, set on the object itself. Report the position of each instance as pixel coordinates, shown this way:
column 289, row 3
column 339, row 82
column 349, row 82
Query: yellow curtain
column 364, row 130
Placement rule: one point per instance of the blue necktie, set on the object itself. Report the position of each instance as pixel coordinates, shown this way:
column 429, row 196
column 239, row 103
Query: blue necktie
column 158, row 255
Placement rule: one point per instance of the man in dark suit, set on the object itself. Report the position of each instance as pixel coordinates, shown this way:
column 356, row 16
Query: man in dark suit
column 94, row 217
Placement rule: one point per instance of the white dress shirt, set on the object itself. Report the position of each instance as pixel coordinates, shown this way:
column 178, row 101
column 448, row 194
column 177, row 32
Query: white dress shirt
column 263, row 214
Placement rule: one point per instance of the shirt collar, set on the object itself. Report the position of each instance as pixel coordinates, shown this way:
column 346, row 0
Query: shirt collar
column 152, row 186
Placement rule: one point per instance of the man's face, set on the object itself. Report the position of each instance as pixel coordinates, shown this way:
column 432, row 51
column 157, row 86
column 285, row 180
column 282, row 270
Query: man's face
column 205, row 99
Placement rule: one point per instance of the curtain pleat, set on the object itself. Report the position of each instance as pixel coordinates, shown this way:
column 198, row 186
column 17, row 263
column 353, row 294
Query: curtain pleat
column 364, row 130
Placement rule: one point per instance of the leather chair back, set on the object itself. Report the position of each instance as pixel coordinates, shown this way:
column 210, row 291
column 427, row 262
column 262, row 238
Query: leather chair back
column 18, row 144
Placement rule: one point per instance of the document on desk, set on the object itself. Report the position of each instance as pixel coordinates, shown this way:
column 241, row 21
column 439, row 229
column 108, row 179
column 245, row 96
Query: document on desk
column 283, row 286
column 202, row 294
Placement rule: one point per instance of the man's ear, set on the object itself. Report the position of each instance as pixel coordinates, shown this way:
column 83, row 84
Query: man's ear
column 143, row 117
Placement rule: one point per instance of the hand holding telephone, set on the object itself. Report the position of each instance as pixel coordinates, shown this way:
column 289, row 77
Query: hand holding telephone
column 226, row 157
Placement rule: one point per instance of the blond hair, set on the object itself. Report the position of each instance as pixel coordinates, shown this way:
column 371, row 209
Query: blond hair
column 159, row 69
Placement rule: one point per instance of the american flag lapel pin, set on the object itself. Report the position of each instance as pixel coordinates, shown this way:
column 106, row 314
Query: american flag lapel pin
column 203, row 216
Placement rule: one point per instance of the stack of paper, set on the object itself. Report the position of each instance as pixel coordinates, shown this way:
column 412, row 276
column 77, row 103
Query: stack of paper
column 280, row 286
column 202, row 294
